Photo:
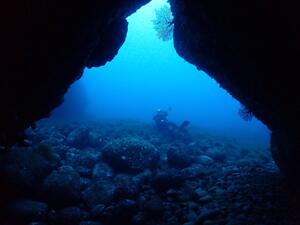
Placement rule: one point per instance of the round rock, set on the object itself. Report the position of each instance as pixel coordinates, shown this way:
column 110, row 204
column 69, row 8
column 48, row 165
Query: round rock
column 62, row 186
column 131, row 155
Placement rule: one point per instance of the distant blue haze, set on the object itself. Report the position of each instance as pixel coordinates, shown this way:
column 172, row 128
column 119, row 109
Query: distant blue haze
column 147, row 74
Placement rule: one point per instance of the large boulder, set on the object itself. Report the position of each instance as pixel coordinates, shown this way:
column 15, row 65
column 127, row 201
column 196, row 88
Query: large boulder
column 85, row 158
column 127, row 187
column 28, row 210
column 102, row 171
column 25, row 168
column 153, row 206
column 100, row 192
column 131, row 155
column 121, row 212
column 79, row 137
column 62, row 187
column 179, row 158
column 164, row 180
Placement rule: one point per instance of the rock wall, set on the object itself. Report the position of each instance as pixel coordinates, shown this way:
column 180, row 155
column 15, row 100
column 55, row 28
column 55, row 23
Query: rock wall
column 252, row 50
column 45, row 47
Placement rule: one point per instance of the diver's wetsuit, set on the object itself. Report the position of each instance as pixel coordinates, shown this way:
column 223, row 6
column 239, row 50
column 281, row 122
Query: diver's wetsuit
column 169, row 128
column 162, row 122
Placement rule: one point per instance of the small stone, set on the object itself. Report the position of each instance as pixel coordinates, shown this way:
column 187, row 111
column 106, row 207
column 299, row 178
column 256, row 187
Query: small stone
column 191, row 216
column 122, row 212
column 189, row 223
column 200, row 192
column 207, row 214
column 52, row 215
column 205, row 160
column 154, row 206
column 172, row 193
column 102, row 171
column 246, row 208
column 195, row 171
column 37, row 223
column 100, row 192
column 90, row 223
column 219, row 191
column 192, row 205
column 218, row 154
column 84, row 183
column 69, row 216
column 232, row 188
column 205, row 199
column 126, row 191
column 98, row 212
column 139, row 219
column 84, row 172
column 28, row 210
column 163, row 181
column 209, row 222
column 178, row 158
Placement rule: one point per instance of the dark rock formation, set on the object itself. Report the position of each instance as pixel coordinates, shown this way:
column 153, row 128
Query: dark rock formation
column 252, row 50
column 44, row 49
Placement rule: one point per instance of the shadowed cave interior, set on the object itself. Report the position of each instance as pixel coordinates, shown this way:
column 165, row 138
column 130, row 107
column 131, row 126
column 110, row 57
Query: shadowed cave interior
column 149, row 171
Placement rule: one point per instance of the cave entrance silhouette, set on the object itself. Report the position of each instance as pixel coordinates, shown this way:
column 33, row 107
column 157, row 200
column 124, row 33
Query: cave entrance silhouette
column 148, row 74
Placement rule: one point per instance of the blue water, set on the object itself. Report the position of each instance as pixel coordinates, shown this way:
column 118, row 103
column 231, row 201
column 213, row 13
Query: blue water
column 147, row 74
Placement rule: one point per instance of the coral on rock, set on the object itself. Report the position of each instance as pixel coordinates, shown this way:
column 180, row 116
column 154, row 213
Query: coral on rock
column 131, row 154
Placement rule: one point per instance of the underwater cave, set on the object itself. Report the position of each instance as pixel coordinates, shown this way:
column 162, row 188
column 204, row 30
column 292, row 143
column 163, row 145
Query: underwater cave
column 150, row 113
column 147, row 74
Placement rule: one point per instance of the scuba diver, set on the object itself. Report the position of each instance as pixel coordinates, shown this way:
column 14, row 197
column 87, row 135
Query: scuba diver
column 169, row 128
column 162, row 122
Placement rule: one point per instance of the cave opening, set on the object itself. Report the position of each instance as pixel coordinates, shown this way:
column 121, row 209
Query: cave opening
column 108, row 156
column 147, row 74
